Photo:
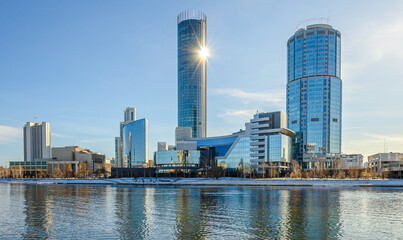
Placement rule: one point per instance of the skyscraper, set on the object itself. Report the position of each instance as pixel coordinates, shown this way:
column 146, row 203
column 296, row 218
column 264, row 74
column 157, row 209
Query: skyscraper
column 135, row 143
column 314, row 93
column 129, row 116
column 192, row 53
column 36, row 141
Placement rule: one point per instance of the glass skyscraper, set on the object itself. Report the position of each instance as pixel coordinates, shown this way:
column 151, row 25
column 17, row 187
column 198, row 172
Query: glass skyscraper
column 135, row 143
column 192, row 72
column 314, row 93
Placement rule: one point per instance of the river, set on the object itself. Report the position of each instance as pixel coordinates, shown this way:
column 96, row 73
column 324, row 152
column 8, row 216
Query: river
column 198, row 212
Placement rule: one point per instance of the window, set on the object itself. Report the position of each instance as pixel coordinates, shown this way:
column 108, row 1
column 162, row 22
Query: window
column 334, row 119
column 314, row 119
column 294, row 121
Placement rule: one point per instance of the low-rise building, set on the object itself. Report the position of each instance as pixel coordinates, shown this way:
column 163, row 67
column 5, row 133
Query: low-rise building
column 66, row 159
column 75, row 154
column 386, row 161
column 351, row 160
column 29, row 168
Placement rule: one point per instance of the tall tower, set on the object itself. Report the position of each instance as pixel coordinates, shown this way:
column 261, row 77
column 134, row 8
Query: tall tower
column 314, row 93
column 129, row 116
column 192, row 71
column 36, row 141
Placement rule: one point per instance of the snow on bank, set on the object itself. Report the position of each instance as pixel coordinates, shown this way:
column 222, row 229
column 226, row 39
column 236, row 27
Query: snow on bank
column 215, row 182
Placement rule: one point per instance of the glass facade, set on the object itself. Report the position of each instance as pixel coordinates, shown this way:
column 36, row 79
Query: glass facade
column 314, row 90
column 178, row 157
column 135, row 143
column 30, row 166
column 279, row 148
column 240, row 153
column 192, row 73
column 221, row 144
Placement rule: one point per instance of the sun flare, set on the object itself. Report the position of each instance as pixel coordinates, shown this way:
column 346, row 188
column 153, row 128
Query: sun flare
column 204, row 52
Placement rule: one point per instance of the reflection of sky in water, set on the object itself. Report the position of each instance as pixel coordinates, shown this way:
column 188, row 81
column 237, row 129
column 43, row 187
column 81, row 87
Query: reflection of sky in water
column 96, row 212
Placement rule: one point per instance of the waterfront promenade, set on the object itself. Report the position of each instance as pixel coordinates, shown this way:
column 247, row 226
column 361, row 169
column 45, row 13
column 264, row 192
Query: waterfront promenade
column 216, row 182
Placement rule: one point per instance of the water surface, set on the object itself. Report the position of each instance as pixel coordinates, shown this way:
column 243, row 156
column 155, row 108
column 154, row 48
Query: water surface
column 197, row 212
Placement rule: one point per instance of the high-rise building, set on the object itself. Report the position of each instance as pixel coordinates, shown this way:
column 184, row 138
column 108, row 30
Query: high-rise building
column 135, row 143
column 129, row 116
column 271, row 141
column 162, row 146
column 192, row 53
column 314, row 93
column 36, row 141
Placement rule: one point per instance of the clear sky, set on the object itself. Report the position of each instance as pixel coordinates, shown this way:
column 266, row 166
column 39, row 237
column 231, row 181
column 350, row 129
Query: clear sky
column 79, row 64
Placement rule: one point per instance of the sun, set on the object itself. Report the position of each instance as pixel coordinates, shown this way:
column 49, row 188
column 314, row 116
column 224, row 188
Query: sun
column 204, row 53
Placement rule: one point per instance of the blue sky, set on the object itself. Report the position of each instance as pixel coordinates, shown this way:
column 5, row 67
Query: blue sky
column 79, row 64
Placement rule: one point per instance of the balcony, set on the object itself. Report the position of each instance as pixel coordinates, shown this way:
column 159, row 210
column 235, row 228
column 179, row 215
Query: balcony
column 257, row 137
column 257, row 154
column 260, row 119
column 265, row 125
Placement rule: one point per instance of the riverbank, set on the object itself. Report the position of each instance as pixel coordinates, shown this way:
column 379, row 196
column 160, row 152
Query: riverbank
column 215, row 182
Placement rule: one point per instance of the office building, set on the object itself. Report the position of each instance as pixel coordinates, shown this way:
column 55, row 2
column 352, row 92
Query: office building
column 162, row 146
column 36, row 141
column 170, row 159
column 135, row 143
column 233, row 150
column 386, row 161
column 192, row 71
column 182, row 133
column 63, row 157
column 351, row 160
column 129, row 116
column 314, row 93
column 271, row 142
column 74, row 155
column 265, row 139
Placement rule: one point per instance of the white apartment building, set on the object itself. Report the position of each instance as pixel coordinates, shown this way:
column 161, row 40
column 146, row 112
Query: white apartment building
column 36, row 141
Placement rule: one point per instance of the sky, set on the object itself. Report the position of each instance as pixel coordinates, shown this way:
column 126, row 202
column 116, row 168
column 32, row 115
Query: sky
column 79, row 64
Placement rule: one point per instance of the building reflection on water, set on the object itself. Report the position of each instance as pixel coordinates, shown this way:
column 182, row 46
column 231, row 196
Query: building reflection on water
column 200, row 213
column 38, row 213
column 142, row 212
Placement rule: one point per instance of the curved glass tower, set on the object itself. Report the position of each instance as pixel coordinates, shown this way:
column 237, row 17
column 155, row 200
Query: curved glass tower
column 314, row 93
column 192, row 72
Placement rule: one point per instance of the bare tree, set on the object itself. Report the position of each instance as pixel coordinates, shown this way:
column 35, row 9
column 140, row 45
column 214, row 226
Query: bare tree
column 385, row 174
column 20, row 171
column 296, row 170
column 308, row 174
column 365, row 174
column 223, row 165
column 353, row 172
column 4, row 173
column 240, row 168
column 68, row 171
column 320, row 169
column 57, row 173
column 336, row 167
column 341, row 174
column 82, row 170
column 247, row 170
column 374, row 174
